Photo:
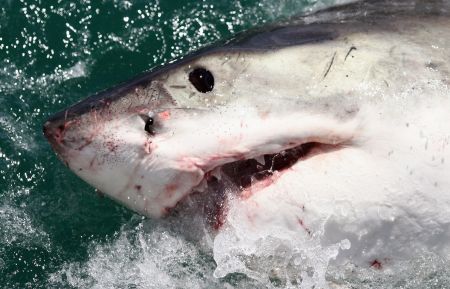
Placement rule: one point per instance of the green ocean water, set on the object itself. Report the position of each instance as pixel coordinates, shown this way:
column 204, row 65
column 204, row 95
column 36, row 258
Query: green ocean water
column 55, row 231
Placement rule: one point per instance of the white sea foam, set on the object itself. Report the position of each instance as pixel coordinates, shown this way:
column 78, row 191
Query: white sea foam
column 171, row 254
column 147, row 255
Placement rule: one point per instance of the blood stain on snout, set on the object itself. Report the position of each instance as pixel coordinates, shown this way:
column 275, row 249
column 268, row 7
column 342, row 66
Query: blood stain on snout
column 165, row 115
column 112, row 146
column 170, row 189
column 58, row 135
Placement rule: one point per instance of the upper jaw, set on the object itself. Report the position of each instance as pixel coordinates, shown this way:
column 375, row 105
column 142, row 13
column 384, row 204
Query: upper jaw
column 199, row 147
column 188, row 148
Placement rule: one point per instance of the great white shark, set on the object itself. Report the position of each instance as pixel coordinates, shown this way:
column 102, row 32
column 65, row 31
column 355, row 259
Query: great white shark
column 335, row 125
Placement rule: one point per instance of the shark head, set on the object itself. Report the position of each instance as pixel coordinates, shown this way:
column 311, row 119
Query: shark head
column 154, row 140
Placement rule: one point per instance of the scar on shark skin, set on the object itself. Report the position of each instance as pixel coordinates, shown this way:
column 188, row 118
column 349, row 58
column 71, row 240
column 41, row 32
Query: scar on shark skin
column 178, row 86
column 349, row 51
column 329, row 66
column 302, row 224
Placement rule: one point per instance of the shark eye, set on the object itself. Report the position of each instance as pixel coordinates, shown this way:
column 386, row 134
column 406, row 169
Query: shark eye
column 149, row 125
column 202, row 80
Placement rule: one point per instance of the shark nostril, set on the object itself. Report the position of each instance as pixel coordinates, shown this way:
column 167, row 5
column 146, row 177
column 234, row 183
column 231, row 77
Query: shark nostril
column 51, row 130
column 48, row 130
column 54, row 133
column 45, row 130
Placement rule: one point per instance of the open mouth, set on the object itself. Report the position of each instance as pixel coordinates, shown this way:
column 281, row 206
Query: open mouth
column 242, row 178
column 246, row 174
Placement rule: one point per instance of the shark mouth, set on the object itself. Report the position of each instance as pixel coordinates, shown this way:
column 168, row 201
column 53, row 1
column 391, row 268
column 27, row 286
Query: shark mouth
column 243, row 178
column 250, row 172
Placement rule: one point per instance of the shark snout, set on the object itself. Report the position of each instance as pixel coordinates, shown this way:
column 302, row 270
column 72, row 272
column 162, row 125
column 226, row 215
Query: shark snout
column 54, row 130
column 63, row 132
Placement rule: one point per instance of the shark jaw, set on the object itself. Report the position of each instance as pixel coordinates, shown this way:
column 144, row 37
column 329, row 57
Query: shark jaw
column 152, row 172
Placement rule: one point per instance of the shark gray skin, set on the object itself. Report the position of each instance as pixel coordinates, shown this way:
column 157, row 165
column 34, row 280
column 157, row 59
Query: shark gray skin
column 335, row 126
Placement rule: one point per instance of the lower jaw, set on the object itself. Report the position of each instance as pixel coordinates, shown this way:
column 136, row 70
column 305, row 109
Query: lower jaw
column 244, row 178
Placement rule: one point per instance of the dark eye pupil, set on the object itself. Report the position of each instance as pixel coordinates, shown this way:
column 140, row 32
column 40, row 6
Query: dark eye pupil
column 149, row 125
column 202, row 79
